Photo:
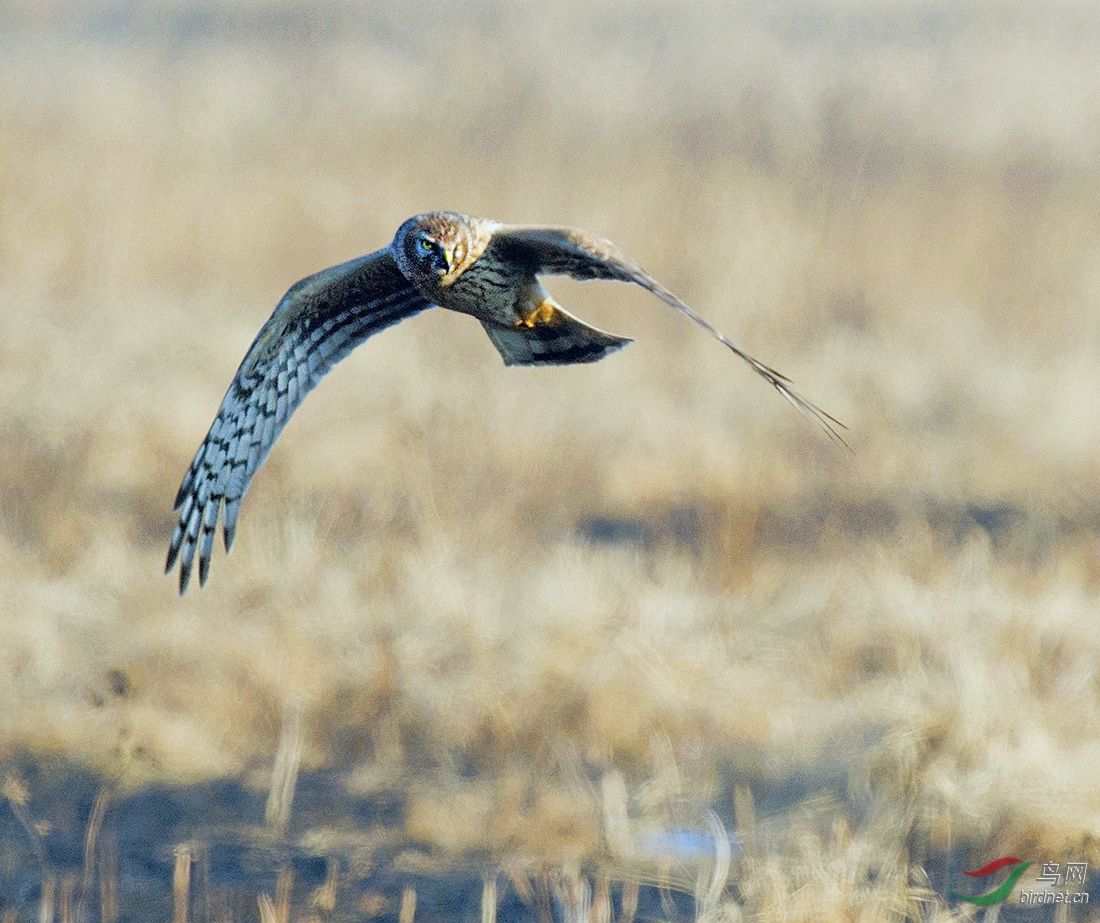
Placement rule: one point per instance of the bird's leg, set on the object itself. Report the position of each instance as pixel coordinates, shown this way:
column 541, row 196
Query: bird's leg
column 534, row 307
column 543, row 313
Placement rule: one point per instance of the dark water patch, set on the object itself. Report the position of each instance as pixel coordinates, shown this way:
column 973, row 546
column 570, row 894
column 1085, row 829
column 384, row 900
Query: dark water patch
column 615, row 530
column 356, row 873
column 1017, row 530
column 352, row 848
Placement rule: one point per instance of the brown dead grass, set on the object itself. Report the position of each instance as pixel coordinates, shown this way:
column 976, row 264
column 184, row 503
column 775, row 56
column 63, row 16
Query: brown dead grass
column 408, row 568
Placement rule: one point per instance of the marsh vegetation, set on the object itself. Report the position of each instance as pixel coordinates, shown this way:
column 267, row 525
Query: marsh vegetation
column 542, row 638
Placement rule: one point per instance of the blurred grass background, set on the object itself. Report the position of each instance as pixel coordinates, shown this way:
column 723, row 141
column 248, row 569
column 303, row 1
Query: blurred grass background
column 554, row 609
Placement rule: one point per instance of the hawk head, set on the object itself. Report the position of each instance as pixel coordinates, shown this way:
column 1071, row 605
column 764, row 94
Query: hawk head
column 433, row 248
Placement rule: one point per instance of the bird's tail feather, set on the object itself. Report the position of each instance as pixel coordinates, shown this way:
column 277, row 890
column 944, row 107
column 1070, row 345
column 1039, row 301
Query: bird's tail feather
column 552, row 336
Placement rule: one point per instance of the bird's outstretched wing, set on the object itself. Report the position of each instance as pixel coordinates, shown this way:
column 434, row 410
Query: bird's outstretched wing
column 576, row 253
column 318, row 322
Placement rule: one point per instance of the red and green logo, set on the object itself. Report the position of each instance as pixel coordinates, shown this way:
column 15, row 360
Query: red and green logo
column 1000, row 893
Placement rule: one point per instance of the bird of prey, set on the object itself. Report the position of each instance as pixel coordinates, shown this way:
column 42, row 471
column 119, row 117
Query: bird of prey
column 470, row 265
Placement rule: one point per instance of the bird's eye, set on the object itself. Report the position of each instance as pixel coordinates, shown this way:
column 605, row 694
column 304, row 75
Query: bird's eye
column 425, row 244
column 459, row 252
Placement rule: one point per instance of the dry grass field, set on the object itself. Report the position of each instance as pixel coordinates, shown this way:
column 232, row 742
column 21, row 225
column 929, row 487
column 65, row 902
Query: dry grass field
column 555, row 629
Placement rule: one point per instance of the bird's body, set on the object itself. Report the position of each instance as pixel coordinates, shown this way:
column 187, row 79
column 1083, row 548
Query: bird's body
column 478, row 274
column 469, row 265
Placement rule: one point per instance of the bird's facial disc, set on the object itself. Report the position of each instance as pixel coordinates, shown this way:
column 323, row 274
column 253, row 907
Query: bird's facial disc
column 431, row 254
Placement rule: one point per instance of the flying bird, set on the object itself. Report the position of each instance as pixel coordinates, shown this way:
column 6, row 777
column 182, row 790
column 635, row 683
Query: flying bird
column 470, row 265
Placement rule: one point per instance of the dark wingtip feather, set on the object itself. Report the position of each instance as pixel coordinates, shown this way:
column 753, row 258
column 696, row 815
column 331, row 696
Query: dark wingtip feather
column 812, row 412
column 185, row 487
column 185, row 577
column 782, row 384
column 174, row 547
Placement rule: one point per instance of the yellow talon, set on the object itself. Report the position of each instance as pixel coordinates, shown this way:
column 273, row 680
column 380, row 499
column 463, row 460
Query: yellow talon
column 543, row 314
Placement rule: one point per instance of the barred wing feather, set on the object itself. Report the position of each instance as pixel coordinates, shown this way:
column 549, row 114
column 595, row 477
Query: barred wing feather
column 317, row 323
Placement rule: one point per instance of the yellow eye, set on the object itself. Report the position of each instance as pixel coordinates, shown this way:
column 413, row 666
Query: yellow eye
column 425, row 244
column 459, row 252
